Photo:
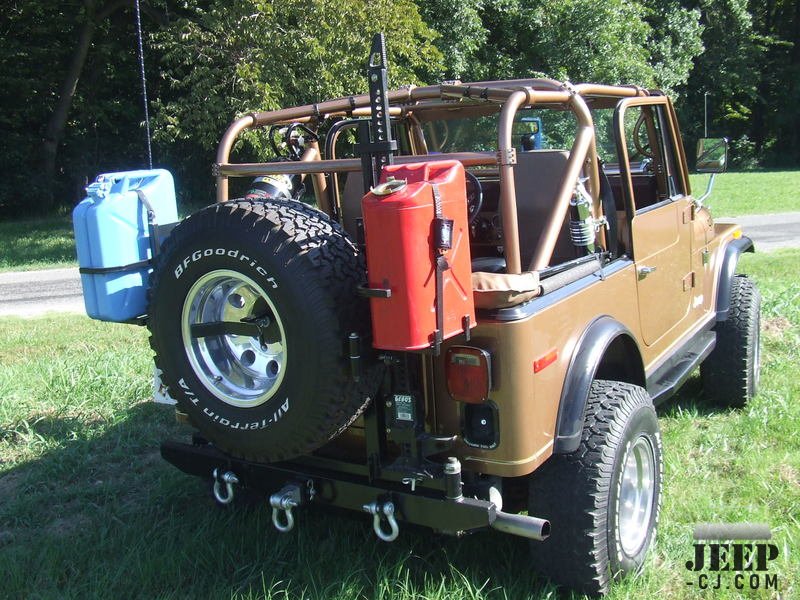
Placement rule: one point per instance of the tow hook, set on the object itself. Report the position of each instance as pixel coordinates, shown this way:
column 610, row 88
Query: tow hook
column 283, row 501
column 228, row 479
column 383, row 509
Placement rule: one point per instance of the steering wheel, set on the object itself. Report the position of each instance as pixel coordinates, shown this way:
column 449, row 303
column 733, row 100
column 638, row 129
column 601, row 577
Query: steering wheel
column 642, row 148
column 474, row 197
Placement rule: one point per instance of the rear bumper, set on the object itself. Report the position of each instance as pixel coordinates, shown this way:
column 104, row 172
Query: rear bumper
column 424, row 506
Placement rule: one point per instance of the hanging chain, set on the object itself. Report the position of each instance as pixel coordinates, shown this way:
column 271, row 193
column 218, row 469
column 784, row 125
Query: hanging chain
column 144, row 83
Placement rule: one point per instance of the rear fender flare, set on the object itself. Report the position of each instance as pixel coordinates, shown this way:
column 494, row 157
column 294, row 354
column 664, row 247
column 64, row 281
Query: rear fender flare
column 586, row 360
column 727, row 271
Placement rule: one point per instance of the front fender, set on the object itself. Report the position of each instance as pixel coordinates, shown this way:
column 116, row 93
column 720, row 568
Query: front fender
column 727, row 271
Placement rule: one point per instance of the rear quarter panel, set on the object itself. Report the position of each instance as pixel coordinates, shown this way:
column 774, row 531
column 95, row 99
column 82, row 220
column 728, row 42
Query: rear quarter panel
column 528, row 402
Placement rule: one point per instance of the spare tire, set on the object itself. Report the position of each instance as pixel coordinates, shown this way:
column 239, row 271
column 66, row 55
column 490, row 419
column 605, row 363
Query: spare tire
column 250, row 311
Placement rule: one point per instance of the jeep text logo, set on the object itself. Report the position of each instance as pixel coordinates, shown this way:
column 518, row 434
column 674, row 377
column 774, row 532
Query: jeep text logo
column 733, row 565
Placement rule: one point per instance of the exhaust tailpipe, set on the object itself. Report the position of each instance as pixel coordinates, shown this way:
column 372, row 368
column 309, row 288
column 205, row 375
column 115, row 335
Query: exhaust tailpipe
column 522, row 525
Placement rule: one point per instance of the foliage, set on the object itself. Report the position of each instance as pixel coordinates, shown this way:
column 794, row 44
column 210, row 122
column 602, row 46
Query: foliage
column 103, row 131
column 674, row 41
column 209, row 61
column 461, row 33
column 750, row 71
column 727, row 71
column 226, row 59
column 610, row 42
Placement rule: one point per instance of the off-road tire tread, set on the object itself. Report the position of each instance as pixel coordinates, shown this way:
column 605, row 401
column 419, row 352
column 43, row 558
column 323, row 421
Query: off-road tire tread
column 728, row 373
column 308, row 236
column 573, row 491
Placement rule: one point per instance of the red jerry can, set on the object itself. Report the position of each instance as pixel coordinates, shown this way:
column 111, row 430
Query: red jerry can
column 416, row 244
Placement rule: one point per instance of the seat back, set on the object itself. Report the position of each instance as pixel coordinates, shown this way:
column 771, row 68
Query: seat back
column 537, row 177
column 352, row 193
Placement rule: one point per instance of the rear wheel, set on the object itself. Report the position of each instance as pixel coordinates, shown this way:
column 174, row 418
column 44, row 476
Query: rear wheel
column 731, row 372
column 603, row 499
column 251, row 307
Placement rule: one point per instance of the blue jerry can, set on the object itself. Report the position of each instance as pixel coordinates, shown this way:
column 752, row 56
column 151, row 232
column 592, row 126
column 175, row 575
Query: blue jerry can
column 115, row 239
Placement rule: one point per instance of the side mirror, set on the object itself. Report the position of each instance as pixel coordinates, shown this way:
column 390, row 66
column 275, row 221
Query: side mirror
column 712, row 155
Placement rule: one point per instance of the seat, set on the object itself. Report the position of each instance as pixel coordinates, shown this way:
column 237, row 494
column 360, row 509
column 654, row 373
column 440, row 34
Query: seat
column 352, row 192
column 537, row 178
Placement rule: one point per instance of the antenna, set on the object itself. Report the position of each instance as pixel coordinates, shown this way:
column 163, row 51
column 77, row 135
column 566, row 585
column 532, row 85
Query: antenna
column 138, row 13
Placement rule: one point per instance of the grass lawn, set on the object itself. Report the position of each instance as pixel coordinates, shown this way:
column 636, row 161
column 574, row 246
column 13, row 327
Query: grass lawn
column 89, row 510
column 757, row 193
column 37, row 244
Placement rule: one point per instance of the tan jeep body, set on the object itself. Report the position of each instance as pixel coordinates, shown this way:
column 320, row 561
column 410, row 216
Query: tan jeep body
column 658, row 314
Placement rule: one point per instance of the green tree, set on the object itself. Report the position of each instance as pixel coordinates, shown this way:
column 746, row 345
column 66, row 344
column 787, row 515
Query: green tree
column 461, row 33
column 223, row 59
column 646, row 43
column 69, row 103
column 226, row 59
column 675, row 40
column 775, row 120
column 728, row 71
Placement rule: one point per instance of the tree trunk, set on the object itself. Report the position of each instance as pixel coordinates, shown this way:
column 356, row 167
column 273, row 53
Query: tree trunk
column 54, row 131
column 58, row 119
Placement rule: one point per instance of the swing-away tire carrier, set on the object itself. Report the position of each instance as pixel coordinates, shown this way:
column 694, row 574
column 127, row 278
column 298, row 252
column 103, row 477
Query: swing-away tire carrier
column 386, row 501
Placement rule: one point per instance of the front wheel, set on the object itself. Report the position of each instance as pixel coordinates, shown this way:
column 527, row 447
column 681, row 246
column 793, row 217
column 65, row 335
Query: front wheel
column 731, row 372
column 603, row 499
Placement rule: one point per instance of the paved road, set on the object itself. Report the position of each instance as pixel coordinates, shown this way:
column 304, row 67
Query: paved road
column 770, row 232
column 34, row 293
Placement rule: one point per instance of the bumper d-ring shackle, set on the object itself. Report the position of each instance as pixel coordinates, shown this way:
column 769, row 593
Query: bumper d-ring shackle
column 291, row 496
column 283, row 501
column 381, row 511
column 227, row 479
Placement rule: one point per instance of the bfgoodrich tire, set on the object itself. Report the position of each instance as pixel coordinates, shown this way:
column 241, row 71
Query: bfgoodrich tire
column 251, row 307
column 731, row 372
column 603, row 499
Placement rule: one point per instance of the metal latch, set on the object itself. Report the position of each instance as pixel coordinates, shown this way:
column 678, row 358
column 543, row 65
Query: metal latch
column 645, row 271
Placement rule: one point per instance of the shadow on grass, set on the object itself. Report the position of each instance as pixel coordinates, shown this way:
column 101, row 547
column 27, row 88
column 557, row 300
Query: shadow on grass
column 100, row 514
column 690, row 399
column 36, row 243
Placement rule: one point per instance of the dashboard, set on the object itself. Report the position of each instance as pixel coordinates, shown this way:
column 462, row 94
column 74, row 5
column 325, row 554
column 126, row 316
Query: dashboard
column 486, row 228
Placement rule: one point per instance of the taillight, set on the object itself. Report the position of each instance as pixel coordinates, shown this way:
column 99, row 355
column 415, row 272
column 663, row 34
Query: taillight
column 468, row 372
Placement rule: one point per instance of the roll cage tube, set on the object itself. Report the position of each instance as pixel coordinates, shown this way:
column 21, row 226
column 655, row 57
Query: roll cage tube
column 332, row 136
column 582, row 155
column 519, row 93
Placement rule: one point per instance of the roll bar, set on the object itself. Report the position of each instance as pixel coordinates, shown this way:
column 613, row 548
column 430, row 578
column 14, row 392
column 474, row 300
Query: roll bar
column 511, row 95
